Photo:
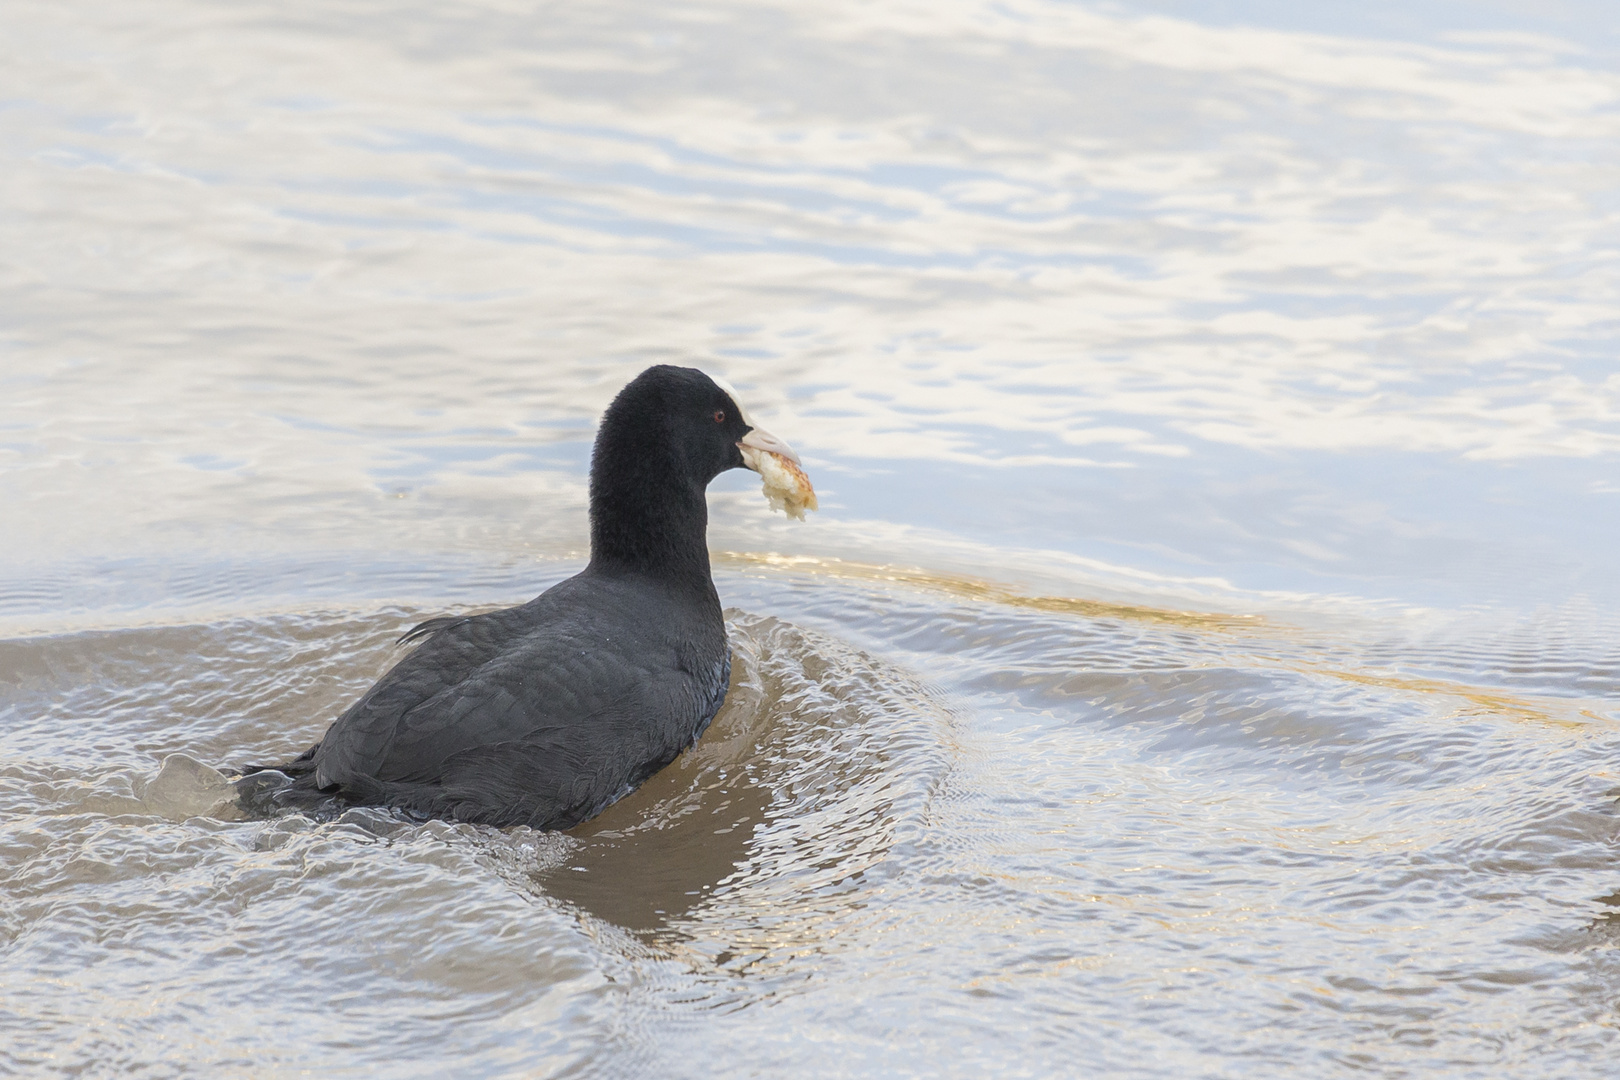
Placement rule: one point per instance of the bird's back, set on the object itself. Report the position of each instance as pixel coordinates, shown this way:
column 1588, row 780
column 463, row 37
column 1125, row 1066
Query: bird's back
column 540, row 714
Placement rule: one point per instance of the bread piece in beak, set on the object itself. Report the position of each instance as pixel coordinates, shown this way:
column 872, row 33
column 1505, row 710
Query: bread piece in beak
column 786, row 485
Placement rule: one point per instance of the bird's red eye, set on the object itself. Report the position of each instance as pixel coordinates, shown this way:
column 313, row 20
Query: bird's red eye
column 719, row 416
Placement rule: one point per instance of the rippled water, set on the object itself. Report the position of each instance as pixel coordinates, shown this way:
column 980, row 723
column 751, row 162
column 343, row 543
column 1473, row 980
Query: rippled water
column 1205, row 660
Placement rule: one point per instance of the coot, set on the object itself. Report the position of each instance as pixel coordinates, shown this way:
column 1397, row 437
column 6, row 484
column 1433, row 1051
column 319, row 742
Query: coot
column 544, row 714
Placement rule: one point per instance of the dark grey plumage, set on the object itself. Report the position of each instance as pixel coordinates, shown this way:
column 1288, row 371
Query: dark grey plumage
column 544, row 714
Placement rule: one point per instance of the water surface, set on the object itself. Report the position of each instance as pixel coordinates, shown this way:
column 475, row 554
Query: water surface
column 1204, row 662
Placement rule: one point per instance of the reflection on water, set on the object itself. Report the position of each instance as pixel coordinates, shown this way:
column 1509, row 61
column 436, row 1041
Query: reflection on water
column 1204, row 662
column 648, row 870
column 794, row 790
column 1298, row 310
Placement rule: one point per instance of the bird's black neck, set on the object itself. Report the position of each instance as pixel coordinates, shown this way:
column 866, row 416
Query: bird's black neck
column 647, row 518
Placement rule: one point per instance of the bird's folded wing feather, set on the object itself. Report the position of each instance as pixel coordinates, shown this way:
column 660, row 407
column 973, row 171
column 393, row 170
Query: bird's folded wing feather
column 488, row 681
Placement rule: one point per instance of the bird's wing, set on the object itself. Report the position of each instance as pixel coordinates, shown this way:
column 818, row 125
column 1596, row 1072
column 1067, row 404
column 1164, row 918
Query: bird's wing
column 520, row 676
column 559, row 775
column 360, row 740
column 558, row 688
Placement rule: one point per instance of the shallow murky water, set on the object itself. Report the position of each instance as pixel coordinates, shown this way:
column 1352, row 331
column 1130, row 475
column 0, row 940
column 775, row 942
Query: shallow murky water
column 1204, row 662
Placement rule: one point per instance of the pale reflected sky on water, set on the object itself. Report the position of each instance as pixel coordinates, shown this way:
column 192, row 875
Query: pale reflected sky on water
column 1298, row 302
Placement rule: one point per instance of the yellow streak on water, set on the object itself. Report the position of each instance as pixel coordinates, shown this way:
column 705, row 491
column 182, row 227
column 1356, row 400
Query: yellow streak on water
column 1551, row 710
column 1513, row 706
column 970, row 588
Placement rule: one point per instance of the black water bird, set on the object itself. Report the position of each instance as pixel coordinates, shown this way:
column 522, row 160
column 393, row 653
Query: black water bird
column 545, row 713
